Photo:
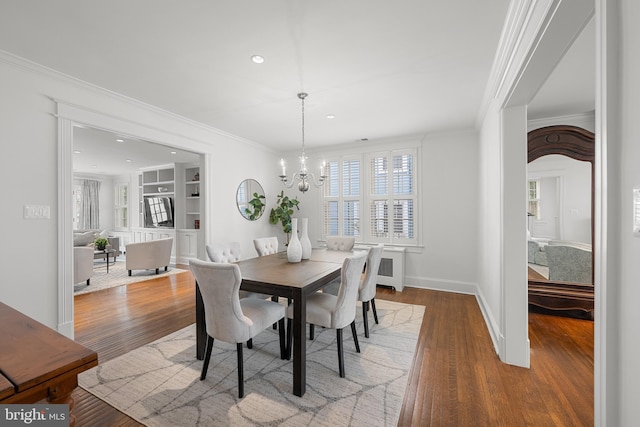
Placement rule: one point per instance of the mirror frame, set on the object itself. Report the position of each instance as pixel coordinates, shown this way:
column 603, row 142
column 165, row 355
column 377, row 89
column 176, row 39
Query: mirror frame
column 579, row 144
column 245, row 215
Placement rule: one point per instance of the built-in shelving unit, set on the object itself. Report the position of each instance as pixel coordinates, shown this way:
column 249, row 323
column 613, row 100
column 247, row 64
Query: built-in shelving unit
column 192, row 197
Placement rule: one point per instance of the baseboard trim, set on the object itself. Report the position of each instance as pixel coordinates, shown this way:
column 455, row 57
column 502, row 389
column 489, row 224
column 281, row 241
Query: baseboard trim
column 441, row 285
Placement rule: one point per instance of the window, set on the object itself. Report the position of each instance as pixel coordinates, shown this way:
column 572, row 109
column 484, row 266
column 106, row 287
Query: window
column 389, row 204
column 534, row 198
column 342, row 198
column 121, row 203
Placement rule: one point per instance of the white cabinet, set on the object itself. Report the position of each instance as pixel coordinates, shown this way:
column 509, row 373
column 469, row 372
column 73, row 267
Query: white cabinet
column 187, row 245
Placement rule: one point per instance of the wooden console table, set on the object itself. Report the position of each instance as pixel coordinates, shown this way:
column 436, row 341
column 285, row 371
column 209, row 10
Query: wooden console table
column 37, row 362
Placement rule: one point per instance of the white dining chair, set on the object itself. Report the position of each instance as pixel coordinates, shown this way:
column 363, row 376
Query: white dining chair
column 340, row 243
column 335, row 311
column 367, row 291
column 226, row 254
column 229, row 318
column 266, row 245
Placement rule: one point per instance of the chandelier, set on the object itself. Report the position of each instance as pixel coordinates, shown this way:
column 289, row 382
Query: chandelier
column 303, row 175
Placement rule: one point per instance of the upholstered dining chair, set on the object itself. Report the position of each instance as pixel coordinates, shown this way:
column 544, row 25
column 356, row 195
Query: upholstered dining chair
column 231, row 253
column 367, row 291
column 226, row 254
column 229, row 318
column 335, row 311
column 340, row 243
column 266, row 245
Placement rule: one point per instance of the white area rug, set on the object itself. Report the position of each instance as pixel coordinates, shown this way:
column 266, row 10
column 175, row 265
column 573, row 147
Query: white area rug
column 117, row 276
column 159, row 384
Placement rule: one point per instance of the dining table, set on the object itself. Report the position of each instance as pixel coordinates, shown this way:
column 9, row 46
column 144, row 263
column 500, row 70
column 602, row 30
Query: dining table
column 275, row 275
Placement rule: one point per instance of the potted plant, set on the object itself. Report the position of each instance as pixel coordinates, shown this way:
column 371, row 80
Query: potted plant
column 256, row 207
column 100, row 243
column 283, row 211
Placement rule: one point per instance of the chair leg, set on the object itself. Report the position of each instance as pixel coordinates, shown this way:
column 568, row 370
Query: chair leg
column 157, row 270
column 274, row 298
column 88, row 282
column 250, row 343
column 355, row 336
column 340, row 352
column 365, row 318
column 375, row 313
column 289, row 339
column 207, row 356
column 129, row 272
column 311, row 331
column 283, row 347
column 240, row 372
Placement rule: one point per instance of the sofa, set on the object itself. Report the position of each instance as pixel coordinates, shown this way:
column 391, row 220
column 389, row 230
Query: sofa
column 87, row 237
column 149, row 255
column 537, row 251
column 569, row 261
column 82, row 264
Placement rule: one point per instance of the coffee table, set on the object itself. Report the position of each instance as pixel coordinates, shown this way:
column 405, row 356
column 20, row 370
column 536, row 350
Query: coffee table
column 105, row 252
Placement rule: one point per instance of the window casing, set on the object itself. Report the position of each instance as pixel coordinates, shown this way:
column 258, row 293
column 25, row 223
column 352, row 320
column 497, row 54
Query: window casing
column 121, row 203
column 534, row 198
column 388, row 205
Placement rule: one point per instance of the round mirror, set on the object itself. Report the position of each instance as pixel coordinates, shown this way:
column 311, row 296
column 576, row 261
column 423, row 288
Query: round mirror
column 250, row 199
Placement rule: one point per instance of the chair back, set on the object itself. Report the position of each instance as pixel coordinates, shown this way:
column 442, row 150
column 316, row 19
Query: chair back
column 266, row 245
column 345, row 310
column 224, row 253
column 340, row 243
column 368, row 285
column 219, row 285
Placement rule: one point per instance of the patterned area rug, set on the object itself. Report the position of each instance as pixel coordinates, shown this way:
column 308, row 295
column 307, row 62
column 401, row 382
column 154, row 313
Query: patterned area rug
column 117, row 276
column 159, row 384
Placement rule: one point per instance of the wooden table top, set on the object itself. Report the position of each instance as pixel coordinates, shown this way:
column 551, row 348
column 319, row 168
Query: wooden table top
column 276, row 270
column 32, row 353
column 6, row 388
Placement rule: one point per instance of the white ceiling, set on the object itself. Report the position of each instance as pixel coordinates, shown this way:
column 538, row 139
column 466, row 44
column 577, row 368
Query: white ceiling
column 384, row 69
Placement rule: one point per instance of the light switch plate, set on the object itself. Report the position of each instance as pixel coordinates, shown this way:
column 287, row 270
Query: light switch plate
column 37, row 212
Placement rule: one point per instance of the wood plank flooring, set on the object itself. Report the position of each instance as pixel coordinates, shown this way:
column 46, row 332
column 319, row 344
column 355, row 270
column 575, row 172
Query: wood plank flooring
column 456, row 379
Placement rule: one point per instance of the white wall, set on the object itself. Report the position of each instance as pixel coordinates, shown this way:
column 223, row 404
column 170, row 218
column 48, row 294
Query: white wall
column 489, row 229
column 29, row 125
column 628, row 315
column 446, row 257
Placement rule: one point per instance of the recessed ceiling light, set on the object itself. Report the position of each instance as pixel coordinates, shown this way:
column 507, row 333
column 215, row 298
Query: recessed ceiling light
column 76, row 151
column 129, row 160
column 331, row 116
column 173, row 152
column 119, row 140
column 257, row 59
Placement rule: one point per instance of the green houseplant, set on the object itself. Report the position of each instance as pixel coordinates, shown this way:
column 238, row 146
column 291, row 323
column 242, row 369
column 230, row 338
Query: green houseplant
column 283, row 211
column 256, row 207
column 100, row 243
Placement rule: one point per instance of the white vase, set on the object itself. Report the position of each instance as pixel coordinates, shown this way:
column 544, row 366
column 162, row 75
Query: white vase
column 304, row 238
column 294, row 250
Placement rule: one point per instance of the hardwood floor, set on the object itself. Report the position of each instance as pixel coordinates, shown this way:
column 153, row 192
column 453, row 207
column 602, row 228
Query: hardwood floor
column 456, row 379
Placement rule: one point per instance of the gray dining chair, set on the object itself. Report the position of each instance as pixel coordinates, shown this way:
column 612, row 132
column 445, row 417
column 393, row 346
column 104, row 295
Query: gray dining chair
column 229, row 318
column 335, row 311
column 266, row 245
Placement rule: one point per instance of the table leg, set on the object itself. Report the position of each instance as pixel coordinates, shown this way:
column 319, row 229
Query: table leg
column 299, row 344
column 107, row 262
column 201, row 329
